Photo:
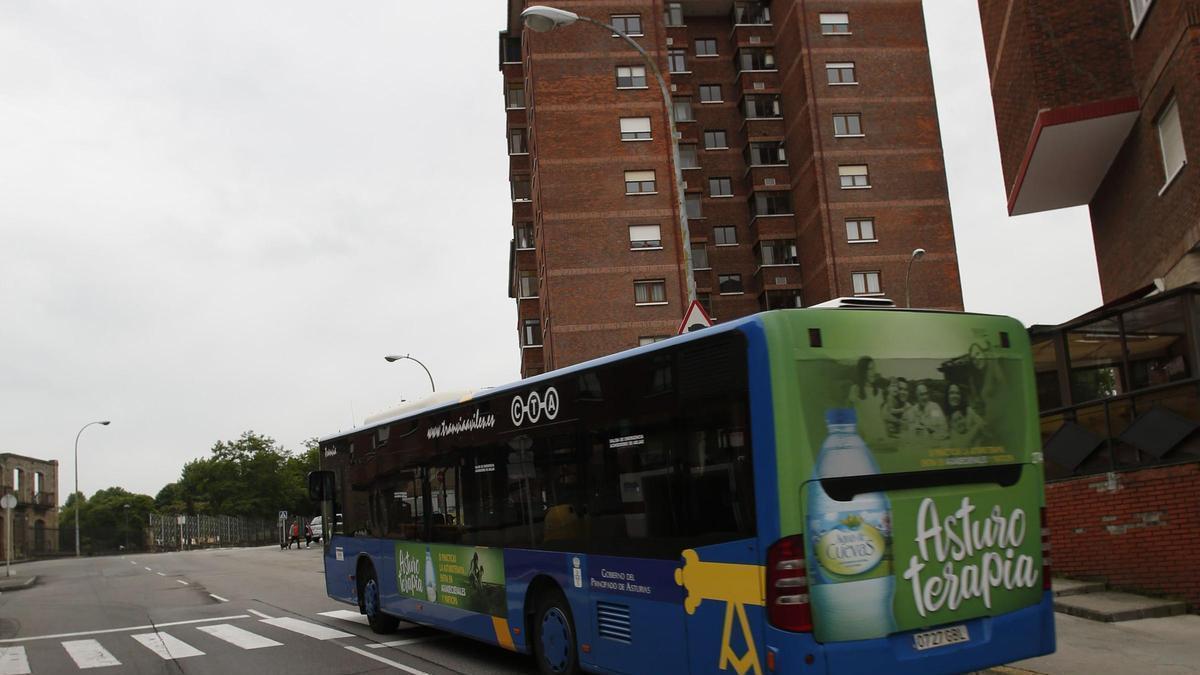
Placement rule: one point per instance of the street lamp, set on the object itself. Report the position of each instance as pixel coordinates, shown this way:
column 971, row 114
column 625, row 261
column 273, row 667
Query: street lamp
column 392, row 358
column 126, row 510
column 917, row 254
column 77, row 499
column 542, row 19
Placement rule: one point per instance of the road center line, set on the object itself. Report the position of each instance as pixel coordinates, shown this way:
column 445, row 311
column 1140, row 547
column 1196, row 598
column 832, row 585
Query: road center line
column 259, row 614
column 217, row 597
column 150, row 626
column 394, row 664
column 181, row 581
column 148, row 569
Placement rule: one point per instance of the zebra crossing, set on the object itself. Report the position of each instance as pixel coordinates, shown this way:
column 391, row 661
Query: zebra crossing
column 168, row 643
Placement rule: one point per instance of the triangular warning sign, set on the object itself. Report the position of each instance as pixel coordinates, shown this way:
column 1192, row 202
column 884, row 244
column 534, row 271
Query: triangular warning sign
column 694, row 319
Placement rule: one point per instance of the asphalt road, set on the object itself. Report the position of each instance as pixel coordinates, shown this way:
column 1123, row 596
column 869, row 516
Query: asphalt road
column 220, row 612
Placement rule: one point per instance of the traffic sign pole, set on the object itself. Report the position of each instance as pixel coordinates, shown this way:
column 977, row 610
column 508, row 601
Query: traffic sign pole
column 8, row 503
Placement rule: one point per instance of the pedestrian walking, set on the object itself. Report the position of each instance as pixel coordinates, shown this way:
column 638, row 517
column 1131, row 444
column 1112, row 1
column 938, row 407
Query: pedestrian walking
column 307, row 537
column 295, row 534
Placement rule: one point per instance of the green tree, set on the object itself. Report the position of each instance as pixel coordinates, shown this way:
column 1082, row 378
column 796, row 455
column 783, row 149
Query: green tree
column 105, row 524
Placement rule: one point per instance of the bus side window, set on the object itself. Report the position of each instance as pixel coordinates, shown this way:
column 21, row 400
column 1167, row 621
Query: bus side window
column 444, row 521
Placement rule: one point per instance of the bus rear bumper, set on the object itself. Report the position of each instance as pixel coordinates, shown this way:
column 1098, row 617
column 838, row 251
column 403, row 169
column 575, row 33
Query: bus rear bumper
column 1018, row 635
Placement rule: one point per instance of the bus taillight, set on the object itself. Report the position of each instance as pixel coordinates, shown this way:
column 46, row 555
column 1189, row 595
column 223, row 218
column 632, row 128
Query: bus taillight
column 1046, row 584
column 787, row 586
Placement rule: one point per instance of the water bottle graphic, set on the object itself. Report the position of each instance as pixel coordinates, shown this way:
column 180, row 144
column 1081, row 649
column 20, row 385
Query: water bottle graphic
column 850, row 567
column 430, row 581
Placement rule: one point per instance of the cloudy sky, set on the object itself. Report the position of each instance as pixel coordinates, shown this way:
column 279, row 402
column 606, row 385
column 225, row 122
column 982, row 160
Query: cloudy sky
column 219, row 216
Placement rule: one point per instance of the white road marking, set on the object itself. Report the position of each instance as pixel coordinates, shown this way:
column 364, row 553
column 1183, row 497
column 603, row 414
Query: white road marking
column 13, row 661
column 347, row 615
column 312, row 630
column 239, row 637
column 160, row 574
column 217, row 597
column 122, row 630
column 167, row 646
column 259, row 614
column 181, row 581
column 394, row 664
column 148, row 569
column 89, row 654
column 409, row 641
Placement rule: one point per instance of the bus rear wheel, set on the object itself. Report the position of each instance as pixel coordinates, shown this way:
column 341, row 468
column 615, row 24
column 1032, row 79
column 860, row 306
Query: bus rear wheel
column 369, row 603
column 554, row 646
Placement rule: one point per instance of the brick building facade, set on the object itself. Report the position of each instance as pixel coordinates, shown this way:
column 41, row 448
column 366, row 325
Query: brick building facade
column 810, row 150
column 1098, row 102
column 34, row 482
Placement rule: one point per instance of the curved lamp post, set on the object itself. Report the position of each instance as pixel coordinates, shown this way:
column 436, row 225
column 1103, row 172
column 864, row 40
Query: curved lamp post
column 542, row 19
column 392, row 358
column 77, row 499
column 917, row 254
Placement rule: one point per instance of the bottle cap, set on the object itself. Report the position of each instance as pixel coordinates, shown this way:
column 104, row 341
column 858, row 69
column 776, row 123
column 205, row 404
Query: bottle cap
column 841, row 416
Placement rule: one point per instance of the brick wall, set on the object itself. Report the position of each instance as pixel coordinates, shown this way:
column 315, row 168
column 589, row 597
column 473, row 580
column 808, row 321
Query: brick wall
column 1141, row 532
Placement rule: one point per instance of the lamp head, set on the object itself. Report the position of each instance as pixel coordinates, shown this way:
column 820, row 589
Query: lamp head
column 106, row 422
column 392, row 358
column 918, row 253
column 542, row 19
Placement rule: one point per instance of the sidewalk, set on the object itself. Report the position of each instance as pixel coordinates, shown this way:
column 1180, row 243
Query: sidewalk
column 16, row 582
column 1162, row 646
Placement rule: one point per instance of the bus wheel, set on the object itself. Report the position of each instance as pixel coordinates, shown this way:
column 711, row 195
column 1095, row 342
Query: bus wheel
column 554, row 642
column 380, row 622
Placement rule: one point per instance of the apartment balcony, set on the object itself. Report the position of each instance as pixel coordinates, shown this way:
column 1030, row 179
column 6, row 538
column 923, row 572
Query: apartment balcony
column 44, row 500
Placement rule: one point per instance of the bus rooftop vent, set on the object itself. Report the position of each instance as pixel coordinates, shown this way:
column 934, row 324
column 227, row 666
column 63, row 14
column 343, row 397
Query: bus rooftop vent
column 855, row 302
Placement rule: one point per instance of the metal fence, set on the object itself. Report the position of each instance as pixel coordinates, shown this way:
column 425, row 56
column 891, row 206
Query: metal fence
column 174, row 532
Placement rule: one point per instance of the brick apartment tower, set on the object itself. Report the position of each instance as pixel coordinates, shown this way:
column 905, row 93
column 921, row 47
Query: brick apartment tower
column 1098, row 102
column 810, row 151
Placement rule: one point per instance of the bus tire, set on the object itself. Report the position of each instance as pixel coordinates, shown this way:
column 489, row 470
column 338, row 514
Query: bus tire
column 369, row 604
column 554, row 646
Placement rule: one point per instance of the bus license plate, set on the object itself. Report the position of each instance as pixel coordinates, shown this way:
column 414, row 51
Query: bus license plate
column 942, row 637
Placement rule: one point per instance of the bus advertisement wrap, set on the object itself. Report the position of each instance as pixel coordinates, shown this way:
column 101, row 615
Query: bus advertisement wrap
column 464, row 577
column 891, row 560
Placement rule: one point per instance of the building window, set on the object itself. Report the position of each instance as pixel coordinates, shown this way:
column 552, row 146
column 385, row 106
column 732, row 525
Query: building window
column 853, row 176
column 683, row 109
column 639, row 182
column 730, row 284
column 866, row 283
column 635, row 128
column 531, row 333
column 705, row 300
column 761, row 106
column 1139, row 9
column 688, row 157
column 725, row 235
column 516, row 142
column 631, row 77
column 700, row 257
column 766, row 153
column 714, row 139
column 720, row 187
column 521, row 189
column 755, row 58
column 651, row 339
column 706, row 47
column 512, row 49
column 771, row 203
column 677, row 60
column 847, row 124
column 527, row 285
column 1170, row 137
column 840, row 73
column 692, row 202
column 629, row 24
column 514, row 96
column 754, row 12
column 652, row 292
column 523, row 235
column 860, row 229
column 778, row 252
column 710, row 93
column 645, row 236
column 835, row 23
column 673, row 14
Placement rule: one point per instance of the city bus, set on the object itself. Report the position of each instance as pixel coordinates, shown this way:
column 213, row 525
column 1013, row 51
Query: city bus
column 821, row 490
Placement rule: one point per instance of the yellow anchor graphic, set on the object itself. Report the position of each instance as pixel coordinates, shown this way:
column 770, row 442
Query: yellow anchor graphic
column 737, row 586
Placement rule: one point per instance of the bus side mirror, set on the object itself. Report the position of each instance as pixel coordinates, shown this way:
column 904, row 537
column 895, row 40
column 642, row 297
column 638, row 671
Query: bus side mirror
column 320, row 486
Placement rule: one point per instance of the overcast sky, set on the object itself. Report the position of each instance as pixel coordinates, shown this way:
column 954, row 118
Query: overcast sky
column 219, row 216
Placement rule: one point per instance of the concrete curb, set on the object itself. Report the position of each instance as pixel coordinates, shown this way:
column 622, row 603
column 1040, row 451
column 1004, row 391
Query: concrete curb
column 1009, row 670
column 8, row 584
